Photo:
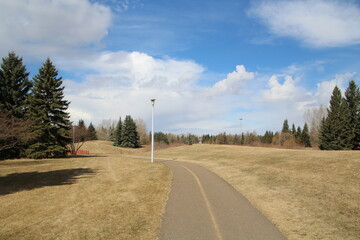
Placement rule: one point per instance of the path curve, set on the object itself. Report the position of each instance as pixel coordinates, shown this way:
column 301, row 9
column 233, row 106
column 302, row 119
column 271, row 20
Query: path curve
column 201, row 205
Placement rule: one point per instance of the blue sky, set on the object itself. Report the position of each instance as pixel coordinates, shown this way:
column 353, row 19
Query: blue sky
column 208, row 63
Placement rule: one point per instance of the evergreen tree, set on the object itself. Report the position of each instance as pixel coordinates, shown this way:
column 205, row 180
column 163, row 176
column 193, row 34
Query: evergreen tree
column 91, row 132
column 293, row 130
column 305, row 136
column 130, row 137
column 352, row 96
column 118, row 133
column 285, row 128
column 298, row 133
column 48, row 113
column 161, row 137
column 14, row 86
column 14, row 93
column 82, row 131
column 335, row 132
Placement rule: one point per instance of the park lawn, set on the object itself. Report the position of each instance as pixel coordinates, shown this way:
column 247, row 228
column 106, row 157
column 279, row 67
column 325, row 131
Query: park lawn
column 307, row 194
column 106, row 196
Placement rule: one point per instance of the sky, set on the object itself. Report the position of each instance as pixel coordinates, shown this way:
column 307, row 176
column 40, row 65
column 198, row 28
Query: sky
column 208, row 63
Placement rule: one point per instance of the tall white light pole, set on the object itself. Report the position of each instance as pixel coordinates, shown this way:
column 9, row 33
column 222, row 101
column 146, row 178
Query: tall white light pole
column 240, row 125
column 240, row 130
column 152, row 129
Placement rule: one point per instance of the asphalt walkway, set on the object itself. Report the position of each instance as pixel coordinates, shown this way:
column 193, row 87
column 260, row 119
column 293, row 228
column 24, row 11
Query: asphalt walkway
column 203, row 206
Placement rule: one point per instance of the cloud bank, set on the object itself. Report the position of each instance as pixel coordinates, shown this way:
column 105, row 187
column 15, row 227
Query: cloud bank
column 43, row 27
column 317, row 23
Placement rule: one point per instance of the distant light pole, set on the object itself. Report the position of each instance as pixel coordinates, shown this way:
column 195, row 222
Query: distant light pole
column 241, row 131
column 73, row 140
column 152, row 129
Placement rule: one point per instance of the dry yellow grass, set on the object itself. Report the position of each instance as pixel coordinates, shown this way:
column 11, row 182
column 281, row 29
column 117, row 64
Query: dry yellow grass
column 98, row 197
column 308, row 194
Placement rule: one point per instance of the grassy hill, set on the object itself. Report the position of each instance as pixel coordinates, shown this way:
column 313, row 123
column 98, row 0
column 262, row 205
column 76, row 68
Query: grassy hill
column 308, row 194
column 105, row 196
column 117, row 193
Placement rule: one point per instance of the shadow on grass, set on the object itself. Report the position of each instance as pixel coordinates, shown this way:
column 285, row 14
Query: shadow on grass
column 16, row 182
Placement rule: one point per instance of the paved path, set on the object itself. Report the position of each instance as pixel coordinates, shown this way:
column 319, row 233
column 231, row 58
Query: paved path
column 203, row 206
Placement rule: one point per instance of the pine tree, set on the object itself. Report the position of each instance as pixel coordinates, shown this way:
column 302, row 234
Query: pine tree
column 82, row 131
column 305, row 137
column 14, row 93
column 293, row 130
column 14, row 86
column 242, row 141
column 91, row 132
column 48, row 112
column 118, row 133
column 298, row 134
column 130, row 137
column 335, row 132
column 352, row 96
column 285, row 128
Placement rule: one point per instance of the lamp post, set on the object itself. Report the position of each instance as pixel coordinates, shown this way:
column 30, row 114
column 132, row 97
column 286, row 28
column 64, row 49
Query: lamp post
column 152, row 129
column 241, row 130
column 240, row 125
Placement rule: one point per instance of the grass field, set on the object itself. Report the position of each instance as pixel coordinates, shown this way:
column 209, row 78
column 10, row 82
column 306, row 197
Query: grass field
column 308, row 194
column 107, row 196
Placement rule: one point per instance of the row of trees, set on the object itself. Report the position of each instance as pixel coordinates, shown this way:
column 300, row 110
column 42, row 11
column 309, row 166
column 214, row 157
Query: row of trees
column 340, row 130
column 33, row 112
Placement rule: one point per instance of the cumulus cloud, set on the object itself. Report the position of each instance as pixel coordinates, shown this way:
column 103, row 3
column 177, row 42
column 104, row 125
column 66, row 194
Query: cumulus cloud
column 325, row 88
column 317, row 23
column 125, row 81
column 281, row 92
column 234, row 81
column 45, row 27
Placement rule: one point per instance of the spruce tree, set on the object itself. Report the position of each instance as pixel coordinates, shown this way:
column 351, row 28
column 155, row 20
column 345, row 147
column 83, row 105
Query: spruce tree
column 91, row 132
column 305, row 137
column 81, row 131
column 14, row 86
column 352, row 96
column 48, row 113
column 118, row 133
column 293, row 130
column 298, row 134
column 14, row 93
column 335, row 132
column 324, row 137
column 130, row 137
column 285, row 128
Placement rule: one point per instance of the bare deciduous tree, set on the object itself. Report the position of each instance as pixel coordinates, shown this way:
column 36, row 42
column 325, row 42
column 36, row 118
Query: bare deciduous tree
column 79, row 135
column 313, row 117
column 13, row 132
column 105, row 131
column 142, row 131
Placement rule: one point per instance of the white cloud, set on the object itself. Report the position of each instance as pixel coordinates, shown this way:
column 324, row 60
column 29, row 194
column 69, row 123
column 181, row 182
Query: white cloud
column 325, row 88
column 125, row 81
column 282, row 92
column 317, row 23
column 40, row 27
column 234, row 81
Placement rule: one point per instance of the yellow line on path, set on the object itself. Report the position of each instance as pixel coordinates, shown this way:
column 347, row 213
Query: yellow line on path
column 213, row 219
